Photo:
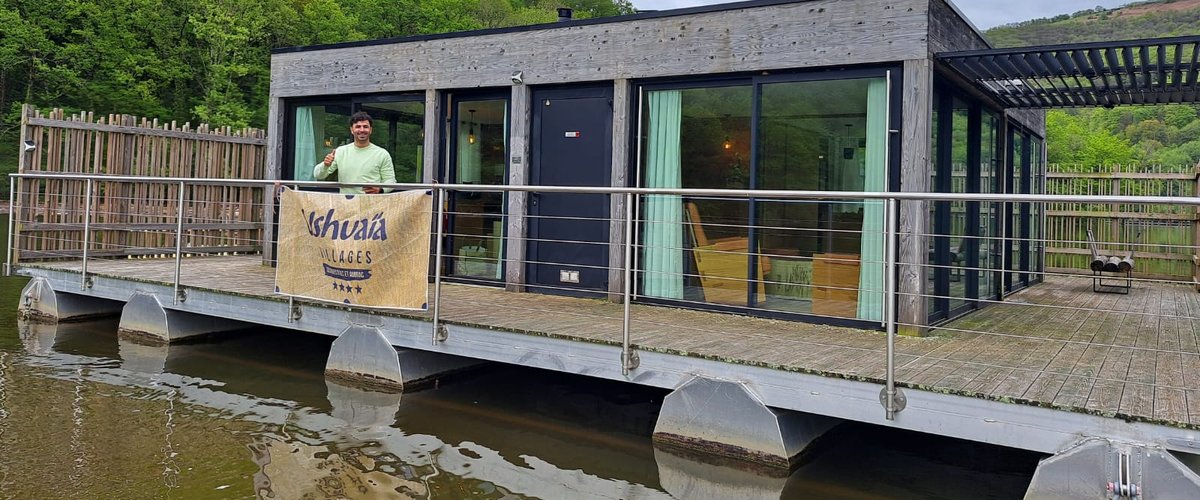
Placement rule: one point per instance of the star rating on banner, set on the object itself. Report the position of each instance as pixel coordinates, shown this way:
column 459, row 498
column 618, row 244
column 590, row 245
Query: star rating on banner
column 347, row 287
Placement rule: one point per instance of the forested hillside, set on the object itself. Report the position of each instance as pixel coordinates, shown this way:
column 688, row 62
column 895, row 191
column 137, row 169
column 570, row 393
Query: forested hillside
column 206, row 60
column 1165, row 135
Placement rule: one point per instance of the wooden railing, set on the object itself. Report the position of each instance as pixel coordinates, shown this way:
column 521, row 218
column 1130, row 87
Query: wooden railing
column 1163, row 236
column 133, row 219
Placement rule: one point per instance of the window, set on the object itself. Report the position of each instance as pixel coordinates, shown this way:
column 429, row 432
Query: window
column 823, row 258
column 319, row 127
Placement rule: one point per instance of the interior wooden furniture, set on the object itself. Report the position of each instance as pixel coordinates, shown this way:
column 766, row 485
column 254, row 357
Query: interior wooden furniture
column 721, row 264
column 835, row 284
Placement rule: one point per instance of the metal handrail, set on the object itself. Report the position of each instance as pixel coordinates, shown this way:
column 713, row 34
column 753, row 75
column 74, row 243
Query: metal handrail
column 890, row 210
column 714, row 193
column 179, row 241
column 437, row 266
column 891, row 398
column 12, row 212
column 87, row 220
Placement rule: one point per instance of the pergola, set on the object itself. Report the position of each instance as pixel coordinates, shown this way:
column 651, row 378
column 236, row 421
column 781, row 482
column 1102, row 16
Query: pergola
column 1130, row 72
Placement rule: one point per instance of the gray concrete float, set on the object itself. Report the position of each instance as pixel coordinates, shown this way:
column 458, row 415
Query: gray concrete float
column 145, row 320
column 362, row 357
column 1093, row 468
column 726, row 419
column 40, row 302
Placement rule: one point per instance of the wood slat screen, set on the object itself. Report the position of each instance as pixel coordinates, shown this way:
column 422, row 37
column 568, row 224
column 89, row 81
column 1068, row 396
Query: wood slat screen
column 135, row 218
column 1167, row 232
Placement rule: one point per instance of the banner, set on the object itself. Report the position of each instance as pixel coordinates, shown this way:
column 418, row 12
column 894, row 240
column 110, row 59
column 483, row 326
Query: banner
column 369, row 250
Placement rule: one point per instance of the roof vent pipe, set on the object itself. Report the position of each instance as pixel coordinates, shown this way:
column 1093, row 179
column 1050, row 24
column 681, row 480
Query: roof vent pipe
column 564, row 14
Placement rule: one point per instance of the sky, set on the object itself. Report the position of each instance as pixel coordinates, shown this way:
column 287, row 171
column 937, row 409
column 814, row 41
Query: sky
column 984, row 13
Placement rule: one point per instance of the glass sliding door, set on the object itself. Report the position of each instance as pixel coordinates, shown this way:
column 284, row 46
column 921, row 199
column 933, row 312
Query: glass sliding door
column 478, row 148
column 989, row 224
column 935, row 253
column 1037, row 236
column 695, row 248
column 822, row 258
column 826, row 136
column 964, row 253
column 1017, row 233
column 957, row 225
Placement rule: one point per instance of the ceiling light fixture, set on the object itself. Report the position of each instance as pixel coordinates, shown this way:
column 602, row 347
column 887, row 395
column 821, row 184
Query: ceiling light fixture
column 471, row 129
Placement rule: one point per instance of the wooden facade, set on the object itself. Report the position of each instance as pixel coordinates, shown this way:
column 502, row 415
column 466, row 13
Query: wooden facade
column 763, row 37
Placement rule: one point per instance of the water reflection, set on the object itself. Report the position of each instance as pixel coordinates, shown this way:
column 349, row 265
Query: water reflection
column 94, row 339
column 297, row 470
column 685, row 477
column 85, row 414
column 142, row 358
column 359, row 408
column 481, row 438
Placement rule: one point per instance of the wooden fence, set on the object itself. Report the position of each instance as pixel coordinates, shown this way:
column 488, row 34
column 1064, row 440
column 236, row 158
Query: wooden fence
column 1164, row 237
column 128, row 218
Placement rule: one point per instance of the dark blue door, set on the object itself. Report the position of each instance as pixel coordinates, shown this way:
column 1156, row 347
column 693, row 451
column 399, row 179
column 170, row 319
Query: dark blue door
column 568, row 233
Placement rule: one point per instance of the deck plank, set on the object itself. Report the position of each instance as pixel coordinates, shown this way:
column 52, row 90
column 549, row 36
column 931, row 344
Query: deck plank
column 1079, row 384
column 1054, row 374
column 1191, row 380
column 1055, row 343
column 1108, row 390
column 1170, row 402
column 1138, row 398
column 1127, row 332
column 1190, row 328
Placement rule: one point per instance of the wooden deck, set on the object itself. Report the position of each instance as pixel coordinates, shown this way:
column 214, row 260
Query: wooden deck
column 1056, row 344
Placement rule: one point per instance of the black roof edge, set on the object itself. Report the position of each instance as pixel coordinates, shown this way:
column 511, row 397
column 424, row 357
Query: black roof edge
column 703, row 9
column 1069, row 46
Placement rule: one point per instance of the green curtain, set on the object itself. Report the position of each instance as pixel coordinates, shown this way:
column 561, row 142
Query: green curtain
column 307, row 140
column 870, row 279
column 662, row 236
column 498, row 231
column 470, row 156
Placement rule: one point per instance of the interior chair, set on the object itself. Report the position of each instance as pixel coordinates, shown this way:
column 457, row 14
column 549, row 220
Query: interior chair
column 721, row 263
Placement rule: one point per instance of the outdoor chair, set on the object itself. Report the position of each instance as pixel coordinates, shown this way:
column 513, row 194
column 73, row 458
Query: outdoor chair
column 1116, row 269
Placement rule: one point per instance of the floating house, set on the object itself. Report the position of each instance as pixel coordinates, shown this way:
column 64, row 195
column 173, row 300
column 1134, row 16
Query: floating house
column 762, row 95
column 754, row 190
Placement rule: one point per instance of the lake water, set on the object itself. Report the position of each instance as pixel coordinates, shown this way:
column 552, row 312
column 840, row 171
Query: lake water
column 86, row 415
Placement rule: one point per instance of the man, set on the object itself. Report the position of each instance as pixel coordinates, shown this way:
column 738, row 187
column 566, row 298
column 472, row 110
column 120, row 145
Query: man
column 358, row 163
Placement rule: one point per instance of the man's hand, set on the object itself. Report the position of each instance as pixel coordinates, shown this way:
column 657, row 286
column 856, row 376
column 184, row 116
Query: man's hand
column 372, row 189
column 329, row 158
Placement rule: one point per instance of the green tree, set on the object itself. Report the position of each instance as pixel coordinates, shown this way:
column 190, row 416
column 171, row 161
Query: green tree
column 1101, row 147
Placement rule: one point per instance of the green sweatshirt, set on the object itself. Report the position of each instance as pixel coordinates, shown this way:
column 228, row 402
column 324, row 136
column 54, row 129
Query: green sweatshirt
column 352, row 164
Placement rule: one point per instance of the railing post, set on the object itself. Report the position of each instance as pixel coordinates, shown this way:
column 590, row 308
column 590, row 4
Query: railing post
column 629, row 359
column 179, row 243
column 439, row 332
column 84, row 282
column 893, row 400
column 13, row 185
